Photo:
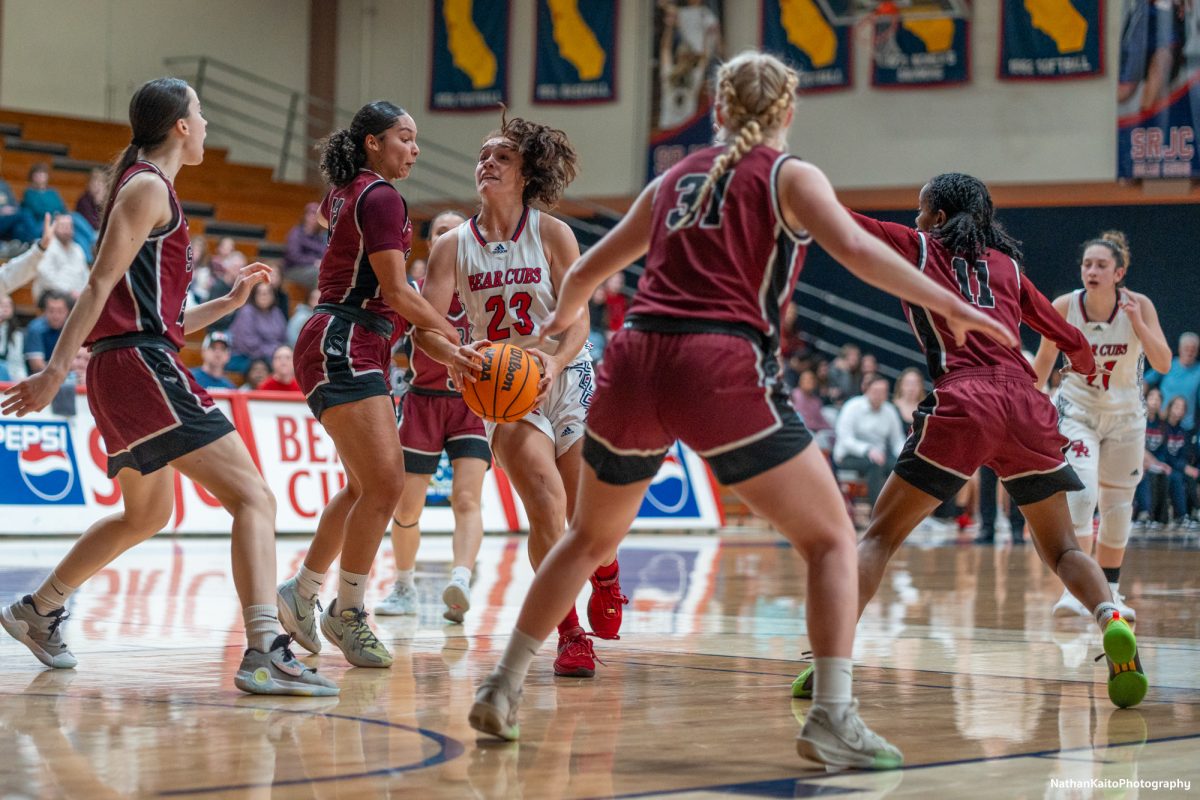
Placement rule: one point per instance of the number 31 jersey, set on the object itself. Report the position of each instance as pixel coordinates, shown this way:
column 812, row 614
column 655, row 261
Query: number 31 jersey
column 505, row 286
column 1117, row 386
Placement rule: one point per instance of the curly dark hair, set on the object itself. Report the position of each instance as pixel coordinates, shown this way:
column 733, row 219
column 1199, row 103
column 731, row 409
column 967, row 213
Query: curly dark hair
column 970, row 226
column 549, row 161
column 343, row 153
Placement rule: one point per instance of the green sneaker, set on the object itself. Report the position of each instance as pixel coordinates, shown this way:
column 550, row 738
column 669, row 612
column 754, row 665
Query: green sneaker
column 1127, row 682
column 348, row 629
column 802, row 687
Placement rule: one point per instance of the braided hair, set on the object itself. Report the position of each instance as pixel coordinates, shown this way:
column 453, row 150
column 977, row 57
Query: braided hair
column 1118, row 245
column 343, row 153
column 548, row 159
column 755, row 92
column 970, row 226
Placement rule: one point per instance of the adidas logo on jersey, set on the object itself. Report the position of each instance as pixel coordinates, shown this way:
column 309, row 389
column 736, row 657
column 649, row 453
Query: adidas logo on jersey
column 498, row 248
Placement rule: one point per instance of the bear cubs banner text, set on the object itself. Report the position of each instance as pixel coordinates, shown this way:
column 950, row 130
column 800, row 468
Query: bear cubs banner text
column 799, row 31
column 469, row 68
column 576, row 51
column 1051, row 39
column 920, row 52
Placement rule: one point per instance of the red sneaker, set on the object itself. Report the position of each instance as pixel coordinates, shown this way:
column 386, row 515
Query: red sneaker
column 604, row 607
column 576, row 658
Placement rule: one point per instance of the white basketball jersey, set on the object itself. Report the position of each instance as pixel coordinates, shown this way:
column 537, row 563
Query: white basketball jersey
column 506, row 286
column 1117, row 385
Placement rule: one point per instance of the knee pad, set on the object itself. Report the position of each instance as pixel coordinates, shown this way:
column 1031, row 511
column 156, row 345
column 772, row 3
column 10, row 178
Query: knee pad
column 1116, row 517
column 1083, row 506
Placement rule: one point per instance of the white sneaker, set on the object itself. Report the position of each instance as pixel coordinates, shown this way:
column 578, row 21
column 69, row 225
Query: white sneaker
column 1127, row 613
column 39, row 633
column 495, row 709
column 348, row 629
column 401, row 602
column 298, row 615
column 279, row 672
column 457, row 597
column 1069, row 606
column 846, row 742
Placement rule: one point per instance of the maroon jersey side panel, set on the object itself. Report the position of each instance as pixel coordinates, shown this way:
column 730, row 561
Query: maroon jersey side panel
column 151, row 295
column 737, row 262
column 423, row 371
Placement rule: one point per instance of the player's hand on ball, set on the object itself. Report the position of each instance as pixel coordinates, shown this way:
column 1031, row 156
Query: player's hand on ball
column 467, row 362
column 549, row 369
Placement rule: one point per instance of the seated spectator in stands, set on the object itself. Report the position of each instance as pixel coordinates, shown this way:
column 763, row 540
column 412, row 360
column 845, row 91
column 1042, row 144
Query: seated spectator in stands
column 40, row 197
column 22, row 269
column 1174, row 454
column 258, row 371
column 283, row 372
column 214, row 355
column 616, row 300
column 79, row 365
column 301, row 314
column 417, row 269
column 1182, row 379
column 225, row 250
column 90, row 204
column 64, row 267
column 43, row 332
column 224, row 273
column 806, row 399
column 200, row 289
column 258, row 328
column 1150, row 497
column 868, row 370
column 15, row 222
column 869, row 437
column 910, row 390
column 598, row 322
column 305, row 245
column 845, row 373
column 12, row 343
column 275, row 277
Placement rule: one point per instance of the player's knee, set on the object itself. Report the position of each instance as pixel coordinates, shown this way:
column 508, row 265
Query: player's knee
column 822, row 540
column 1082, row 505
column 149, row 518
column 1116, row 519
column 464, row 502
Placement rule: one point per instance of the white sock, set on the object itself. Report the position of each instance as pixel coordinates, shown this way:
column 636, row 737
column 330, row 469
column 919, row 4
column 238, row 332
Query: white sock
column 1104, row 614
column 51, row 595
column 514, row 664
column 833, row 683
column 309, row 582
column 352, row 590
column 406, row 577
column 262, row 626
column 461, row 575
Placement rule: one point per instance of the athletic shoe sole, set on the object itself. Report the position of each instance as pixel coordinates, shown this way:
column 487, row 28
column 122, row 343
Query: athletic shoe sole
column 457, row 602
column 261, row 682
column 813, row 751
column 486, row 718
column 20, row 631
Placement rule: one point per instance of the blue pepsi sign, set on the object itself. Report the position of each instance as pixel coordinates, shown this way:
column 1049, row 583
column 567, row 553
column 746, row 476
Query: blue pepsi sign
column 672, row 493
column 38, row 464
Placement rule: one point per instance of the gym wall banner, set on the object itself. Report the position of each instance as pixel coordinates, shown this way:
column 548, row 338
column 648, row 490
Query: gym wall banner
column 576, row 58
column 53, row 477
column 1051, row 40
column 468, row 55
column 920, row 53
column 801, row 34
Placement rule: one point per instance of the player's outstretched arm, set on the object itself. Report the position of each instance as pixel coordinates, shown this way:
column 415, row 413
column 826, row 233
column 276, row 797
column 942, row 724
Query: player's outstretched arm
column 1047, row 353
column 438, row 291
column 205, row 314
column 1051, row 321
column 809, row 203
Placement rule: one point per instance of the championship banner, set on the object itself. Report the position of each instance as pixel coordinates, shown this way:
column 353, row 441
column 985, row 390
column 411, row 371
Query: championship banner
column 688, row 42
column 1158, row 90
column 1051, row 39
column 576, row 52
column 800, row 33
column 920, row 52
column 469, row 55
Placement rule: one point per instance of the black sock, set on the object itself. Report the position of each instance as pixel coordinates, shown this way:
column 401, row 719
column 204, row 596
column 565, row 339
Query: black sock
column 1112, row 574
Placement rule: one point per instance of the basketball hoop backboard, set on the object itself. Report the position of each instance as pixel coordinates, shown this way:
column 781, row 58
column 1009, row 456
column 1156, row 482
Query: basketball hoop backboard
column 851, row 12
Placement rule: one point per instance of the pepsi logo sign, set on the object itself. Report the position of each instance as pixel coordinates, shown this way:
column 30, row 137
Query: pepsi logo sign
column 671, row 493
column 37, row 464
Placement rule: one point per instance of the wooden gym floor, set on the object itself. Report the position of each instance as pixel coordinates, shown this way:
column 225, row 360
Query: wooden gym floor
column 958, row 662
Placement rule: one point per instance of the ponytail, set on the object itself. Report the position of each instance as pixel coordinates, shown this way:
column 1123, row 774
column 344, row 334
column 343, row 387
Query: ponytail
column 344, row 153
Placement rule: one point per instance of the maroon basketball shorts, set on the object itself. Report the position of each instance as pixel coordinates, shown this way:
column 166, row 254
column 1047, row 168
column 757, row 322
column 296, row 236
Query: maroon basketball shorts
column 431, row 423
column 339, row 360
column 716, row 392
column 991, row 416
column 148, row 408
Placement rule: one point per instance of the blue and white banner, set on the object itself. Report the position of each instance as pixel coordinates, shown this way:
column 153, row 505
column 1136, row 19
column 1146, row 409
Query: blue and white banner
column 469, row 55
column 920, row 52
column 1051, row 40
column 576, row 59
column 1158, row 90
column 38, row 465
column 800, row 33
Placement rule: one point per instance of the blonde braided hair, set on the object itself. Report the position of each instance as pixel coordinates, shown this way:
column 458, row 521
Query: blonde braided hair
column 755, row 92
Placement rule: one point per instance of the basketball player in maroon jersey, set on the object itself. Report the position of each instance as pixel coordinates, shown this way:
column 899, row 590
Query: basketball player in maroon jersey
column 725, row 232
column 149, row 410
column 435, row 418
column 343, row 363
column 987, row 409
column 507, row 264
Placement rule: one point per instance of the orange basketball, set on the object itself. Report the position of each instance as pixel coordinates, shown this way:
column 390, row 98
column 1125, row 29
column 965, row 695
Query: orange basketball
column 506, row 386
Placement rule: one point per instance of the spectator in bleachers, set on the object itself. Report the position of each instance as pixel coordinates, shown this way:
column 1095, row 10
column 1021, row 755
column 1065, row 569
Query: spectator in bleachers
column 258, row 371
column 1174, row 454
column 1149, row 499
column 301, row 314
column 40, row 197
column 21, row 269
column 868, row 370
column 275, row 279
column 806, row 399
column 910, row 389
column 1182, row 379
column 224, row 273
column 869, row 437
column 79, row 365
column 845, row 374
column 283, row 372
column 225, row 251
column 258, row 328
column 16, row 224
column 214, row 355
column 90, row 204
column 64, row 267
column 200, row 290
column 305, row 246
column 43, row 332
column 598, row 322
column 12, row 343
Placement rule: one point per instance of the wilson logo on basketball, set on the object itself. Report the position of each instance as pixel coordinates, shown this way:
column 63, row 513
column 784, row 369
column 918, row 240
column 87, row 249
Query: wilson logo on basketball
column 41, row 456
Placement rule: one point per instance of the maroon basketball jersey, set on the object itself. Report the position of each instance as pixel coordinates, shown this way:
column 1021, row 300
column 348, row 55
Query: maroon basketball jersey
column 993, row 283
column 151, row 294
column 423, row 371
column 365, row 216
column 737, row 262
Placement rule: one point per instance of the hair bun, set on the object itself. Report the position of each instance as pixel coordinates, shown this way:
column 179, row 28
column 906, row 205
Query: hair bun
column 1118, row 240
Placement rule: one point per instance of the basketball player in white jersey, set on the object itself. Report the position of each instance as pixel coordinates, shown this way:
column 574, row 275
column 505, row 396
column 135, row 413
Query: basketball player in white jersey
column 507, row 263
column 1103, row 415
